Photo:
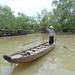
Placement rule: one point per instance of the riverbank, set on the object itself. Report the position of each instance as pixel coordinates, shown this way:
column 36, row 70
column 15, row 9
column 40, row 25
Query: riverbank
column 4, row 33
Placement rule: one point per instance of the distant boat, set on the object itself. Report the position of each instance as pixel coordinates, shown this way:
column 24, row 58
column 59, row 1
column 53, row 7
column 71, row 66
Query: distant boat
column 29, row 54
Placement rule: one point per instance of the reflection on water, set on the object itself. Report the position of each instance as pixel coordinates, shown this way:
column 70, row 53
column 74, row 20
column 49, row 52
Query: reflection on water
column 60, row 61
column 5, row 70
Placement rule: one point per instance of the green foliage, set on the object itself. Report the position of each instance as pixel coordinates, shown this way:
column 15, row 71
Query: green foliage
column 62, row 18
column 65, row 14
column 21, row 23
column 6, row 17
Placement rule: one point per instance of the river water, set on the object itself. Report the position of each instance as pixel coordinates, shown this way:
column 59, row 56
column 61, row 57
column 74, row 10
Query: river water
column 60, row 61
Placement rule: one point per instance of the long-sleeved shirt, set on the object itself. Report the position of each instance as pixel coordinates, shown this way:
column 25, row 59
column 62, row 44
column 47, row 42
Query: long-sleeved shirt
column 51, row 32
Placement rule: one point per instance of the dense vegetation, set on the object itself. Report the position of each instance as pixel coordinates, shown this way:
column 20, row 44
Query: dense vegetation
column 64, row 15
column 62, row 18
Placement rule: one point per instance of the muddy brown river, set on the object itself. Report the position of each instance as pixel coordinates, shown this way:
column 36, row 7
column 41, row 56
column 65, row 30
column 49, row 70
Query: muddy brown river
column 60, row 61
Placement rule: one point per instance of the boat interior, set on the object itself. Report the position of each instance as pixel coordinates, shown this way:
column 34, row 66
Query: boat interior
column 33, row 50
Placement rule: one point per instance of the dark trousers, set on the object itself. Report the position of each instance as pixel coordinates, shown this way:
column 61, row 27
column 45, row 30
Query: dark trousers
column 51, row 40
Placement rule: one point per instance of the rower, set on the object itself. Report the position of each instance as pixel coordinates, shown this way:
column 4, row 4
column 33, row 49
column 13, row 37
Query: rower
column 51, row 35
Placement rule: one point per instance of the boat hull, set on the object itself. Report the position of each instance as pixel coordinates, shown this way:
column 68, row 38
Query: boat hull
column 17, row 58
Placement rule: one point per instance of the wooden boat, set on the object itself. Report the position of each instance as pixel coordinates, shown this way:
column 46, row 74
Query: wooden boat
column 29, row 54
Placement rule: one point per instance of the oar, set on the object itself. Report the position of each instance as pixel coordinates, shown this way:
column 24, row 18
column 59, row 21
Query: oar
column 43, row 34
